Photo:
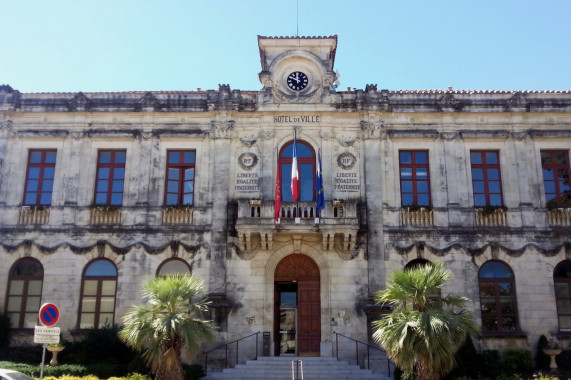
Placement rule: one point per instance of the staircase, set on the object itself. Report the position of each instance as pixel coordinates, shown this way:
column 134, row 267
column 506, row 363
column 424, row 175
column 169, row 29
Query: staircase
column 280, row 368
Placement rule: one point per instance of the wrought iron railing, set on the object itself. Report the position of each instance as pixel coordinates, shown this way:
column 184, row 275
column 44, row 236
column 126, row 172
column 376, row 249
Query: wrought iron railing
column 226, row 348
column 365, row 346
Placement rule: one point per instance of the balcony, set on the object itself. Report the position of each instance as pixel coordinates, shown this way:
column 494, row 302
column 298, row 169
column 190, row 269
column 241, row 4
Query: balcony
column 491, row 217
column 177, row 215
column 105, row 215
column 337, row 225
column 421, row 217
column 560, row 217
column 34, row 215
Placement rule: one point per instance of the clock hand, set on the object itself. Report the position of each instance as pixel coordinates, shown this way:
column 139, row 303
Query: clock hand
column 294, row 78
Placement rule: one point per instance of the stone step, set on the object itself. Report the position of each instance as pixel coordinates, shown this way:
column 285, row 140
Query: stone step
column 280, row 368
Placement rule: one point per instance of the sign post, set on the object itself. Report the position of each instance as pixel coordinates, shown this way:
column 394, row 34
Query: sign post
column 49, row 315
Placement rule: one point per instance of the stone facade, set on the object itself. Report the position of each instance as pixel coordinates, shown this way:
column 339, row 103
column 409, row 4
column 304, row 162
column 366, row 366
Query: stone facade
column 228, row 237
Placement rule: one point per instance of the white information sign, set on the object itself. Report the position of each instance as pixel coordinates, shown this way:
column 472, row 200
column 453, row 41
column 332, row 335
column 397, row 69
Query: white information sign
column 46, row 335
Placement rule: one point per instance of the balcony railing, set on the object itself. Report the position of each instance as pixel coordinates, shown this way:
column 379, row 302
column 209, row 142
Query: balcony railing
column 422, row 217
column 34, row 215
column 559, row 217
column 495, row 218
column 105, row 215
column 177, row 215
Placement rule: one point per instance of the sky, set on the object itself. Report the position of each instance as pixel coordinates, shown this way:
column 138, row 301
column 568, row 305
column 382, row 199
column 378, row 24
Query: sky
column 172, row 45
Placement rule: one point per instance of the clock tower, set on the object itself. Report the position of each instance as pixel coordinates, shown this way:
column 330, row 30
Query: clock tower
column 297, row 69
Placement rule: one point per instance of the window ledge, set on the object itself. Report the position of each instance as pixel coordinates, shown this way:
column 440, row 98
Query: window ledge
column 500, row 334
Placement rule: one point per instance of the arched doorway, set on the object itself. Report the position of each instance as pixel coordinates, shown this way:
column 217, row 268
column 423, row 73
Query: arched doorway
column 297, row 307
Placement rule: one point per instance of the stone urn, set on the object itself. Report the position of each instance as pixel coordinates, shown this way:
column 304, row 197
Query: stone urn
column 54, row 350
column 552, row 352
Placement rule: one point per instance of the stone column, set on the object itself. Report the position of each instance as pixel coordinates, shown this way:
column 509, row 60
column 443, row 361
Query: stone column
column 374, row 144
column 220, row 155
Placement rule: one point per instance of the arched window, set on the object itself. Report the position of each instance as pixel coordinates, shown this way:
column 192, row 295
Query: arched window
column 173, row 266
column 305, row 167
column 98, row 289
column 562, row 285
column 498, row 298
column 416, row 263
column 24, row 292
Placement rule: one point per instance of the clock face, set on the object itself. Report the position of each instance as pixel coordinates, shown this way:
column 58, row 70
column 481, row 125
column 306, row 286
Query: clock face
column 297, row 81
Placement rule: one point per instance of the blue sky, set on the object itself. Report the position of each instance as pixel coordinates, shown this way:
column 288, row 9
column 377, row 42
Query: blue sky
column 148, row 45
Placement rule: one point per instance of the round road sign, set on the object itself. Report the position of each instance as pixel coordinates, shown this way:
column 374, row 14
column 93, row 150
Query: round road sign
column 49, row 314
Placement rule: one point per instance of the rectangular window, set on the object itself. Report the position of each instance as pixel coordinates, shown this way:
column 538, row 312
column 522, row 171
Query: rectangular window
column 414, row 178
column 40, row 177
column 179, row 188
column 486, row 178
column 555, row 165
column 110, row 177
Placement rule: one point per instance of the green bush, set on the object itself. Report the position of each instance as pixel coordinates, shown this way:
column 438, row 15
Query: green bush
column 491, row 364
column 34, row 370
column 192, row 371
column 563, row 360
column 98, row 346
column 467, row 360
column 4, row 330
column 517, row 362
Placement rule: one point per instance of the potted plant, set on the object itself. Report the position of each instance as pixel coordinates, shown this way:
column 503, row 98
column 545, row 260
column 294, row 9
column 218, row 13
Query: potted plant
column 489, row 209
column 553, row 349
column 55, row 348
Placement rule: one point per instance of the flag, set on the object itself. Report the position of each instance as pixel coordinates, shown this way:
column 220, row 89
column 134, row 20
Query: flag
column 294, row 172
column 278, row 194
column 319, row 185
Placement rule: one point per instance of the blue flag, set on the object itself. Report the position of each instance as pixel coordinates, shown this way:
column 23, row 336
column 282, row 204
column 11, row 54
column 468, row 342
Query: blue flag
column 319, row 186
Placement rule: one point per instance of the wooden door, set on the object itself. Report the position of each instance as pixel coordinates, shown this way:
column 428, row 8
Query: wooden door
column 309, row 318
column 304, row 271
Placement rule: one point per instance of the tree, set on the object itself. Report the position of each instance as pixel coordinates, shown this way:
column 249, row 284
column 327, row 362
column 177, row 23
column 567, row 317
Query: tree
column 167, row 323
column 424, row 329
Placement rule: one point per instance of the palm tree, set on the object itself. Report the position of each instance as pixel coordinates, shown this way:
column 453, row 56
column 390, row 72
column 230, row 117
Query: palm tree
column 167, row 323
column 424, row 329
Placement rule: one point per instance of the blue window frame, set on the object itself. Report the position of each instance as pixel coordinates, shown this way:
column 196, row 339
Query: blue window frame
column 110, row 177
column 305, row 167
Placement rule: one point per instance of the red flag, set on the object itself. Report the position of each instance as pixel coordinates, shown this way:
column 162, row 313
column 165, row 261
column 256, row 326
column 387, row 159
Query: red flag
column 278, row 194
column 294, row 172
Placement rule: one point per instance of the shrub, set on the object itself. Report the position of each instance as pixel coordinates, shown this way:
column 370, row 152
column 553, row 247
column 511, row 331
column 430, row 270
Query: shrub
column 517, row 362
column 467, row 360
column 98, row 346
column 491, row 364
column 4, row 330
column 192, row 371
column 563, row 360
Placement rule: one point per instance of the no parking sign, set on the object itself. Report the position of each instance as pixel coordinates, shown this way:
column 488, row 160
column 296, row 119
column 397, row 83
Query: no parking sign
column 49, row 314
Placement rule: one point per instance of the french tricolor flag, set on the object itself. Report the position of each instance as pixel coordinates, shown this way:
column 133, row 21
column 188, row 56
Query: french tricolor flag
column 294, row 172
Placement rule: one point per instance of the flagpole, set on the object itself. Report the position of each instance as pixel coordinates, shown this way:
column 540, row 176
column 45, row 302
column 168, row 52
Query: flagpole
column 297, row 169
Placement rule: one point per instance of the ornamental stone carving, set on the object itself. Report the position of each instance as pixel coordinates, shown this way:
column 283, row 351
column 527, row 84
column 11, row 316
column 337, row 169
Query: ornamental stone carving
column 346, row 141
column 267, row 135
column 373, row 130
column 516, row 103
column 77, row 135
column 519, row 136
column 449, row 136
column 326, row 135
column 144, row 135
column 449, row 103
column 248, row 160
column 249, row 140
column 346, row 160
column 80, row 103
column 221, row 129
column 148, row 102
column 6, row 125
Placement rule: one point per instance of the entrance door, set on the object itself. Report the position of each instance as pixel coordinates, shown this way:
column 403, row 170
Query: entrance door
column 297, row 276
